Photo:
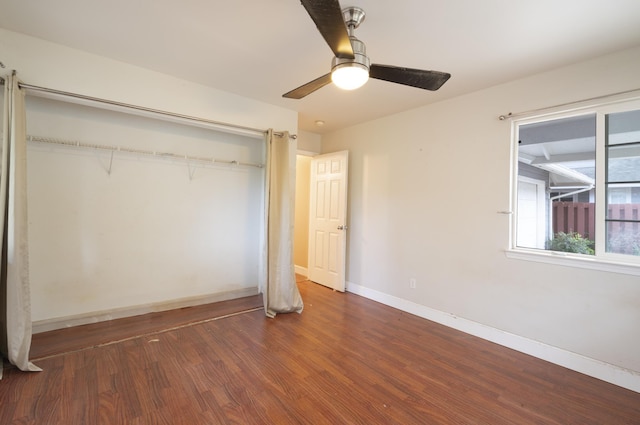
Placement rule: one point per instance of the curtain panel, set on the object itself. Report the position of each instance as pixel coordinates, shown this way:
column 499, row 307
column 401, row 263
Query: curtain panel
column 15, row 296
column 278, row 284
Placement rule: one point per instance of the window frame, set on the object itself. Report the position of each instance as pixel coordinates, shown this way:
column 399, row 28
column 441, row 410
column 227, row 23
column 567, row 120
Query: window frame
column 603, row 261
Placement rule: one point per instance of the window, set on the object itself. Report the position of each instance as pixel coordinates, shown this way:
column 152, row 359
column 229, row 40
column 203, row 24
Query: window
column 577, row 184
column 622, row 182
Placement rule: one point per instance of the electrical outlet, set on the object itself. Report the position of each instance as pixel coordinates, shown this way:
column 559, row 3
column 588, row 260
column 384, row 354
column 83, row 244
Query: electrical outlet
column 412, row 283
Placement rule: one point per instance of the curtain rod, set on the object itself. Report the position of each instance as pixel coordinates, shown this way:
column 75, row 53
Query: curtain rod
column 223, row 125
column 574, row 103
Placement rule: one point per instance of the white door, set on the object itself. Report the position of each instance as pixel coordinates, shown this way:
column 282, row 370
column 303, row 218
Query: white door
column 327, row 219
column 531, row 230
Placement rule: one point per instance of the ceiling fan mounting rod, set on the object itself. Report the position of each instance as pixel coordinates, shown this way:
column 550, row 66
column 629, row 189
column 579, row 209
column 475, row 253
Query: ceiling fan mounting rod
column 353, row 17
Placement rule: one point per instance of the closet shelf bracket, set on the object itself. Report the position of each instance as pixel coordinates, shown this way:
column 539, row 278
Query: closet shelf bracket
column 110, row 164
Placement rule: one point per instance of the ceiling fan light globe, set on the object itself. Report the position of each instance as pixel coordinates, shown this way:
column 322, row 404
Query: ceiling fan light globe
column 349, row 76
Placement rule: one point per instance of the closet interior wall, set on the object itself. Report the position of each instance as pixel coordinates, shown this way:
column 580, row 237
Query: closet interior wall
column 122, row 234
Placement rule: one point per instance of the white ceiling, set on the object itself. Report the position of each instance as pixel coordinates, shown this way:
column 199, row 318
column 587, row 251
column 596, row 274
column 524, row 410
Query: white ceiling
column 262, row 49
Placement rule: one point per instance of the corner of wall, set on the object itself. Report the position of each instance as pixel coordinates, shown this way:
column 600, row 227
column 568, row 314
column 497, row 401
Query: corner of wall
column 309, row 142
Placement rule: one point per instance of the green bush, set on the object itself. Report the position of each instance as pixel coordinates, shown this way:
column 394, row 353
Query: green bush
column 571, row 242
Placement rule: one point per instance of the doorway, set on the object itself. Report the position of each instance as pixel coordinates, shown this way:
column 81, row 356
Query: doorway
column 301, row 220
column 320, row 237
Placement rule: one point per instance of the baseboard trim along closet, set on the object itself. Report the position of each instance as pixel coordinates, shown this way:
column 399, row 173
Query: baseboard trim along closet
column 595, row 368
column 301, row 271
column 118, row 313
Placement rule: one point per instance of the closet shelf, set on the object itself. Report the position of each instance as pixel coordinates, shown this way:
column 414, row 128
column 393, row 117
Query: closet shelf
column 112, row 149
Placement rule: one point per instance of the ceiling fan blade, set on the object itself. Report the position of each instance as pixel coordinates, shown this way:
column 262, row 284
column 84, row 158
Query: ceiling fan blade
column 308, row 88
column 327, row 16
column 428, row 80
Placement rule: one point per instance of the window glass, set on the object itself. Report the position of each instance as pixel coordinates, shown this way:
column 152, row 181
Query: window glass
column 561, row 154
column 623, row 182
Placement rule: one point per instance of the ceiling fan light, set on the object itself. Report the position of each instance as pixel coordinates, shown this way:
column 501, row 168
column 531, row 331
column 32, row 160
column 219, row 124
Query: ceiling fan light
column 350, row 76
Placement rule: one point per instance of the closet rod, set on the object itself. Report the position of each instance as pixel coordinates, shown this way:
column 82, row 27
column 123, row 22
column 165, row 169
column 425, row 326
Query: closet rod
column 222, row 125
column 138, row 151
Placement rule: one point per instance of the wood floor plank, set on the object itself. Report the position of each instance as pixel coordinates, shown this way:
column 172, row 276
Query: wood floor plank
column 344, row 360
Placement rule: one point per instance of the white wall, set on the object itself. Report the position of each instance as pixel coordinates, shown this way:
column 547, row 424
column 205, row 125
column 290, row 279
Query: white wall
column 309, row 143
column 103, row 245
column 51, row 65
column 425, row 188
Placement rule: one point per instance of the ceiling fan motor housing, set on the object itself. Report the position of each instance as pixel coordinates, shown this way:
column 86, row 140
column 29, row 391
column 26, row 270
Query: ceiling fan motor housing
column 360, row 56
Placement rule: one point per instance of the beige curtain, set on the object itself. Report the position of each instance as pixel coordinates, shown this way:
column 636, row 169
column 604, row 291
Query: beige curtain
column 278, row 284
column 15, row 297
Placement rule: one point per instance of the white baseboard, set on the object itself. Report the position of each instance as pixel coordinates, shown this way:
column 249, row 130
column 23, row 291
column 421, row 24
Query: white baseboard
column 613, row 374
column 302, row 271
column 118, row 313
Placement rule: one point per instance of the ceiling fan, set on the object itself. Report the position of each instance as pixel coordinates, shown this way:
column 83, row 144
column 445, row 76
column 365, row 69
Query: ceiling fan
column 350, row 67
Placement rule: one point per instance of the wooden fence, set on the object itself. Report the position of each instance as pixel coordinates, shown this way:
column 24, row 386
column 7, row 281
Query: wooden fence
column 580, row 217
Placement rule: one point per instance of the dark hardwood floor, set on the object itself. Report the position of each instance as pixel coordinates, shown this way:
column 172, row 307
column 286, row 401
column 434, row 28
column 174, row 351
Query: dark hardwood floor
column 344, row 360
column 88, row 336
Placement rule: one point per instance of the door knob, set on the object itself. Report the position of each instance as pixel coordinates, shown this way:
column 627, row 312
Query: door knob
column 341, row 227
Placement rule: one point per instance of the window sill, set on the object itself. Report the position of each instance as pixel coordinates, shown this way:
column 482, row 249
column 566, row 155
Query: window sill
column 569, row 260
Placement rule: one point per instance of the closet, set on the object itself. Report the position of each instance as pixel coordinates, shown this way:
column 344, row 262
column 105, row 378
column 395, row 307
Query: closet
column 131, row 213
